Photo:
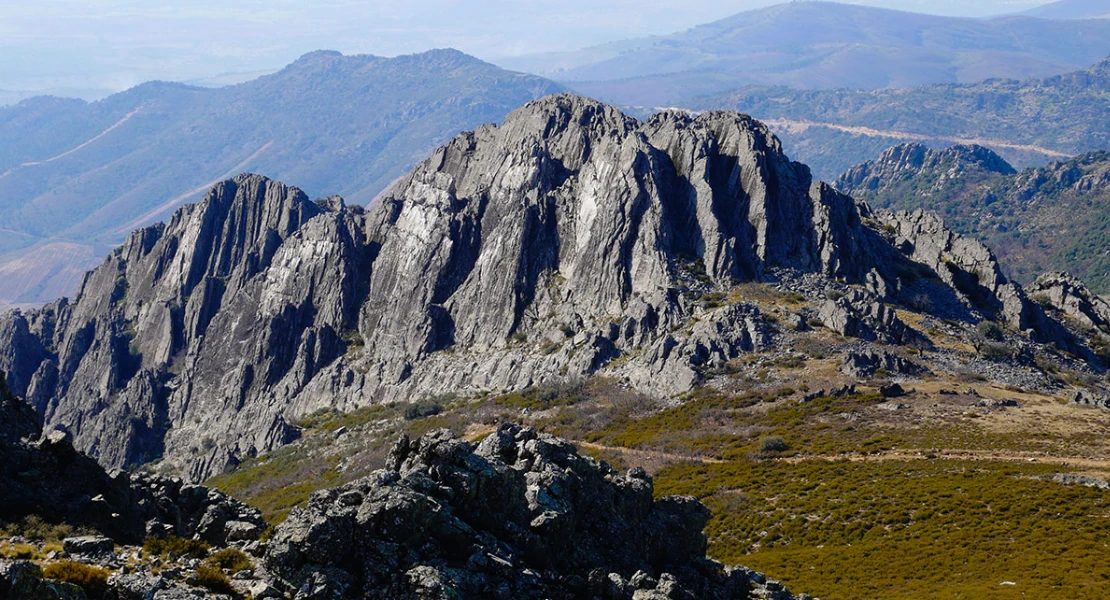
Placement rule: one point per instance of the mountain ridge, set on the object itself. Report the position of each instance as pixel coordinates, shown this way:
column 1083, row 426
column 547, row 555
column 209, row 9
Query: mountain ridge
column 569, row 241
column 1040, row 219
column 1071, row 9
column 822, row 45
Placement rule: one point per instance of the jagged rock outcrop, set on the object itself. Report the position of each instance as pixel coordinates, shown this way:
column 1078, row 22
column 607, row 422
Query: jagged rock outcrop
column 1071, row 297
column 861, row 315
column 521, row 515
column 897, row 171
column 44, row 475
column 542, row 249
column 869, row 362
column 970, row 270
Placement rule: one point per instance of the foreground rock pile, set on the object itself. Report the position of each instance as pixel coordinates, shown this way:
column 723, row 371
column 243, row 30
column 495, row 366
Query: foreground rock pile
column 521, row 515
column 45, row 476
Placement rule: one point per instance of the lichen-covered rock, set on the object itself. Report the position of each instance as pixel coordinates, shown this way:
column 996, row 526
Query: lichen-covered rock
column 522, row 515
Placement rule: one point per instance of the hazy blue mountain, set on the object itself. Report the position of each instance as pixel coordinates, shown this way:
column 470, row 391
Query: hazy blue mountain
column 823, row 45
column 1072, row 9
column 1029, row 123
column 75, row 177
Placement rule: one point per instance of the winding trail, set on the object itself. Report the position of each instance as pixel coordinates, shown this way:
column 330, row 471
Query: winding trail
column 117, row 124
column 798, row 126
column 966, row 455
column 172, row 203
column 650, row 455
column 884, row 456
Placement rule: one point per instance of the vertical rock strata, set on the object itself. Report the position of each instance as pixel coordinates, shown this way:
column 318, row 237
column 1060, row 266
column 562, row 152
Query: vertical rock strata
column 542, row 249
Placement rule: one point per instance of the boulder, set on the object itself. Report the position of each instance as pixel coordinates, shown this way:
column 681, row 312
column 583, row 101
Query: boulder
column 89, row 545
column 867, row 363
column 1086, row 397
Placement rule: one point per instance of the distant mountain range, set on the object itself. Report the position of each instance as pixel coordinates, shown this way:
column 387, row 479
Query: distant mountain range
column 1030, row 123
column 823, row 45
column 76, row 177
column 1052, row 218
column 1072, row 9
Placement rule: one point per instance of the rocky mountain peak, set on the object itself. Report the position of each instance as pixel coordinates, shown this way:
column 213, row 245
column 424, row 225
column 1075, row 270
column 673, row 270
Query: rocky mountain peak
column 955, row 164
column 569, row 241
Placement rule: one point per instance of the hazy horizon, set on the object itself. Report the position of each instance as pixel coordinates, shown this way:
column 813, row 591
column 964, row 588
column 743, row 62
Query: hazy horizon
column 96, row 47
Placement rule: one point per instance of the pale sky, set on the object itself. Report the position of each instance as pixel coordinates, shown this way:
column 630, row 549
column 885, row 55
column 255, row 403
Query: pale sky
column 94, row 47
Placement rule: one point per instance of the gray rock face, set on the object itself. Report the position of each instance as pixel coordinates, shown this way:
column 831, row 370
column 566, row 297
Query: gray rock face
column 540, row 250
column 867, row 364
column 968, row 269
column 861, row 315
column 521, row 515
column 1071, row 297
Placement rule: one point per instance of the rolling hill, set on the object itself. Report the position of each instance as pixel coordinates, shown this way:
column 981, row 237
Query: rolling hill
column 823, row 45
column 76, row 177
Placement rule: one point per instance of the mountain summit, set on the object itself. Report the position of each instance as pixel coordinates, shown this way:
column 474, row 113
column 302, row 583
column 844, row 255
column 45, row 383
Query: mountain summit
column 569, row 241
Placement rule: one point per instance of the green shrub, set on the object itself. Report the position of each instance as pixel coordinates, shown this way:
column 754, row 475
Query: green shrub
column 36, row 528
column 543, row 397
column 991, row 331
column 176, row 546
column 94, row 580
column 773, row 443
column 996, row 351
column 232, row 559
column 422, row 408
column 1043, row 300
column 920, row 303
column 714, row 299
column 214, row 579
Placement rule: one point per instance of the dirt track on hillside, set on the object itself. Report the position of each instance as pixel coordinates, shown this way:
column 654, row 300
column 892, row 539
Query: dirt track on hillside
column 798, row 126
